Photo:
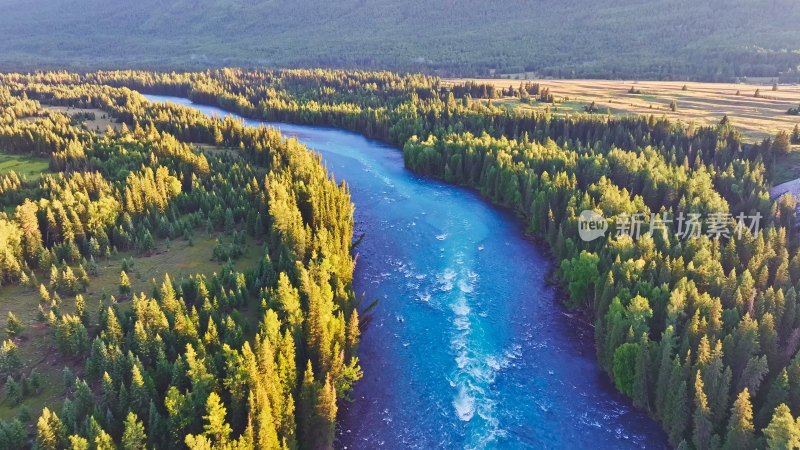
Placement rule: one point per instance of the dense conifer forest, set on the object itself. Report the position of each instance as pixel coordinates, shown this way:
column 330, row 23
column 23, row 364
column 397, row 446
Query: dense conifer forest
column 180, row 365
column 702, row 333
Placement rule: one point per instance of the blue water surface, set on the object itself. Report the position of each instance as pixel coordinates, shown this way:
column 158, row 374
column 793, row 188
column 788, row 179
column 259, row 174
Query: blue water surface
column 468, row 347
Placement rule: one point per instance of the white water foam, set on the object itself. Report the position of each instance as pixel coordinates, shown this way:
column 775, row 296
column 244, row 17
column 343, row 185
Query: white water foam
column 446, row 280
column 465, row 286
column 464, row 405
column 462, row 360
column 461, row 308
column 475, row 370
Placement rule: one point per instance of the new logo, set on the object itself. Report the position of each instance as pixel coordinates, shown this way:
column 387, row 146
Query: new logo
column 591, row 225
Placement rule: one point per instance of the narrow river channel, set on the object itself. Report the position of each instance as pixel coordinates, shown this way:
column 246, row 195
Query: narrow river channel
column 468, row 347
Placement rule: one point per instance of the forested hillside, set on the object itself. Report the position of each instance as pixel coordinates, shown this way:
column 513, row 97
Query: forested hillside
column 702, row 333
column 654, row 39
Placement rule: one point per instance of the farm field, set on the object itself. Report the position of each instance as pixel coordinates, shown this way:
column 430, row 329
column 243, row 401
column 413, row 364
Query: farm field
column 701, row 103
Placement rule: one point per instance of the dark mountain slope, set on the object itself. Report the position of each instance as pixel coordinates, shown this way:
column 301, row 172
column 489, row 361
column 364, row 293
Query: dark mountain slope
column 599, row 38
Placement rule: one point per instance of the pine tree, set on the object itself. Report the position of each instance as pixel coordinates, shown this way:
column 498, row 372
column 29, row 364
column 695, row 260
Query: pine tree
column 31, row 234
column 13, row 391
column 721, row 397
column 168, row 301
column 778, row 393
column 134, row 437
column 156, row 427
column 44, row 295
column 624, row 368
column 783, row 432
column 13, row 325
column 679, row 415
column 82, row 278
column 796, row 135
column 147, row 242
column 702, row 416
column 78, row 443
column 288, row 301
column 353, row 333
column 753, row 374
column 308, row 402
column 24, row 416
column 217, row 429
column 80, row 310
column 198, row 442
column 104, row 441
column 84, row 400
column 109, row 391
column 12, row 434
column 113, row 330
column 229, row 221
column 782, row 144
column 121, row 404
column 139, row 341
column 265, row 422
column 664, row 370
column 211, row 337
column 124, row 284
column 67, row 379
column 641, row 381
column 740, row 425
column 326, row 411
column 50, row 433
column 139, row 395
column 68, row 417
column 179, row 414
column 10, row 359
column 258, row 226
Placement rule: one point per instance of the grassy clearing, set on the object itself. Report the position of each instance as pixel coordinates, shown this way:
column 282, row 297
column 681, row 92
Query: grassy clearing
column 571, row 107
column 179, row 260
column 215, row 150
column 99, row 124
column 24, row 165
column 36, row 344
column 788, row 167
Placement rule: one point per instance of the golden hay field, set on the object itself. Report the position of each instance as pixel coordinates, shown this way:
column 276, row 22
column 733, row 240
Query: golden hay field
column 701, row 103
